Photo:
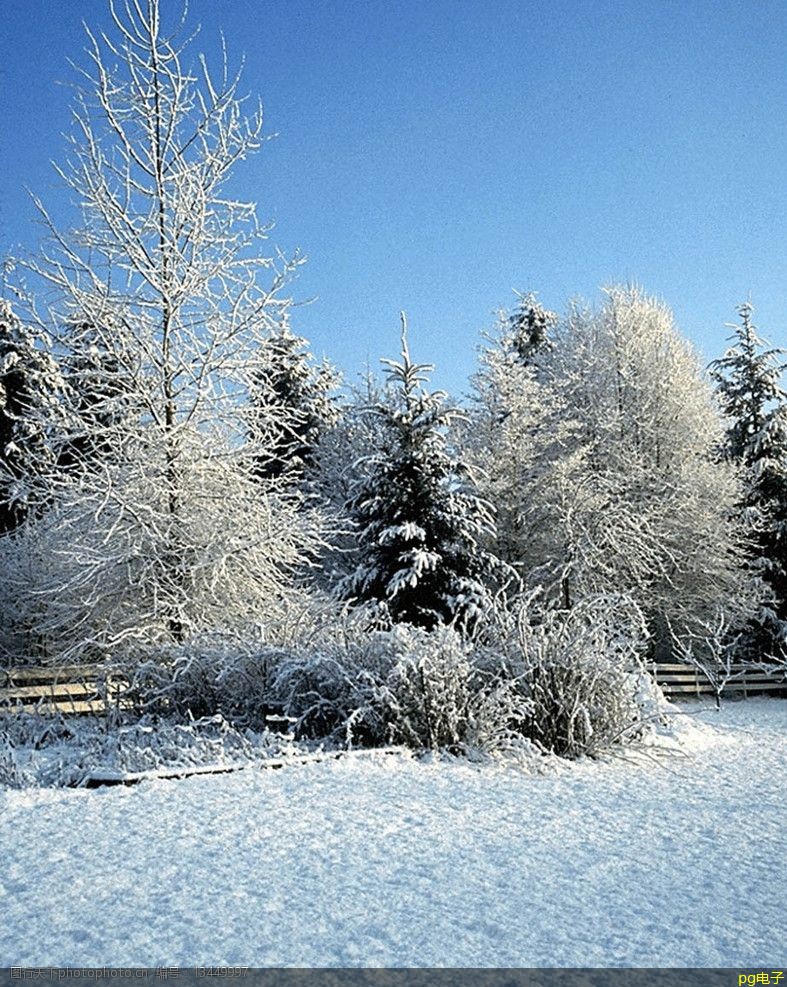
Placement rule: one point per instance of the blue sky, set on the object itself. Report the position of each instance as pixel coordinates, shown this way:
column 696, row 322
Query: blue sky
column 435, row 155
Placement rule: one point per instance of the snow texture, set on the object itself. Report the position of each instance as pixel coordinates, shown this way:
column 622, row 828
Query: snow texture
column 389, row 861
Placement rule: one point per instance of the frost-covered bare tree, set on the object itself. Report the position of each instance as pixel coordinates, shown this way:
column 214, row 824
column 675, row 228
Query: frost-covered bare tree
column 660, row 516
column 517, row 425
column 607, row 459
column 164, row 287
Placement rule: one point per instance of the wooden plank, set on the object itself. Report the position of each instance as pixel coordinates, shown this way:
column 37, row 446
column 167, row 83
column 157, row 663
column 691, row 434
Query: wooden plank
column 62, row 706
column 61, row 689
column 691, row 689
column 759, row 687
column 48, row 673
column 100, row 776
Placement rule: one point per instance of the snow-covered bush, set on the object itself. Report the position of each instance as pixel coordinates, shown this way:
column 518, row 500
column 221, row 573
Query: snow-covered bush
column 433, row 683
column 568, row 683
column 25, row 733
column 580, row 673
column 214, row 674
column 57, row 751
column 232, row 674
column 9, row 769
column 336, row 688
column 405, row 685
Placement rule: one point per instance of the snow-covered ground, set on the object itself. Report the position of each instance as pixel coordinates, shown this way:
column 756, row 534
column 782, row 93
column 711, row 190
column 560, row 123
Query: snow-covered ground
column 382, row 860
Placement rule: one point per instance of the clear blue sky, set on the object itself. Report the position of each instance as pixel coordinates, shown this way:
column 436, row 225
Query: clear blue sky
column 435, row 154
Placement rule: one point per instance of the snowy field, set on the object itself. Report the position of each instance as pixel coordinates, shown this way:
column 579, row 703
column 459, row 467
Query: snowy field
column 385, row 861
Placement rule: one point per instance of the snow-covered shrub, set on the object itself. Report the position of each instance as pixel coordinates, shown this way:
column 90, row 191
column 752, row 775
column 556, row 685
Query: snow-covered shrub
column 337, row 688
column 212, row 674
column 22, row 733
column 233, row 673
column 433, row 684
column 149, row 745
column 580, row 673
column 404, row 685
column 9, row 769
column 38, row 751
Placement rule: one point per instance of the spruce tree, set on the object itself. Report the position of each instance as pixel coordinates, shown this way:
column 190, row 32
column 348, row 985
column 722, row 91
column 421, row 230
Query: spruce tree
column 289, row 383
column 516, row 424
column 29, row 388
column 747, row 380
column 100, row 395
column 529, row 329
column 419, row 521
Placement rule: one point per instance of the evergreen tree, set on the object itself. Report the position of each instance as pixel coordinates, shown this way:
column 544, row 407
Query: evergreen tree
column 100, row 396
column 529, row 329
column 29, row 388
column 288, row 383
column 747, row 380
column 418, row 518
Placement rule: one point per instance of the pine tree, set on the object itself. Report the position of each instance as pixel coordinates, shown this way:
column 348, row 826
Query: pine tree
column 288, row 383
column 747, row 380
column 29, row 389
column 419, row 521
column 100, row 396
column 529, row 330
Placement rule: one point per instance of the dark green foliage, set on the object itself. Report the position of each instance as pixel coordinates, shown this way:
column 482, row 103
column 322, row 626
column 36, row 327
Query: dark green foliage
column 298, row 393
column 100, row 395
column 418, row 518
column 529, row 329
column 747, row 380
column 29, row 388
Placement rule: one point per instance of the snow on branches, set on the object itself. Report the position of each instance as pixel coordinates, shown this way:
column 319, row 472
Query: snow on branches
column 420, row 523
column 602, row 457
column 164, row 299
column 754, row 405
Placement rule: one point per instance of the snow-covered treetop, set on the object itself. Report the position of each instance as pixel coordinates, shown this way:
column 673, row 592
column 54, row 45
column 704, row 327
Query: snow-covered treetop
column 748, row 384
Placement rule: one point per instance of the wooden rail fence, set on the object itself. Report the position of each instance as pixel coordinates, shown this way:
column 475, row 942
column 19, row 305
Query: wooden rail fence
column 72, row 689
column 679, row 680
column 65, row 689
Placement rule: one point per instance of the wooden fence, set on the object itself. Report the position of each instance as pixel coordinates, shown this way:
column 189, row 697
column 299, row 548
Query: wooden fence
column 682, row 681
column 65, row 689
column 73, row 689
